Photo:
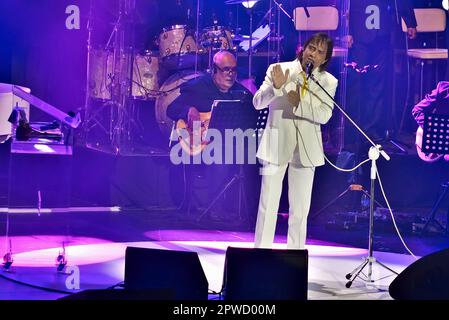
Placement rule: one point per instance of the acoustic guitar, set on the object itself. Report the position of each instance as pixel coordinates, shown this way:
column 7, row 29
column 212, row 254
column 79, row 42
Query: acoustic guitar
column 193, row 140
column 427, row 157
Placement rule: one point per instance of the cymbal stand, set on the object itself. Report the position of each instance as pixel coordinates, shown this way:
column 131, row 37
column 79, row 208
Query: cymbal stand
column 250, row 50
column 278, row 37
column 121, row 75
column 87, row 111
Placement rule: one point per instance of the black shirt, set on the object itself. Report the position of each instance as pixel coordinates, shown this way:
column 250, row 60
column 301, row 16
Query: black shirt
column 201, row 93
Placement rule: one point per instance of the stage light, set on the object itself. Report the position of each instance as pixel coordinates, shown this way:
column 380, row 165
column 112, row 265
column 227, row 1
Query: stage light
column 445, row 4
column 61, row 260
column 249, row 4
column 7, row 261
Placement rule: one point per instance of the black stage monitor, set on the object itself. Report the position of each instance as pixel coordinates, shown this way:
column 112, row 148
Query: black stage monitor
column 178, row 271
column 265, row 274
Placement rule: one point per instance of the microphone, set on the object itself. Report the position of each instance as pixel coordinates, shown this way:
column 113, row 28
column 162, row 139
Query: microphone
column 309, row 69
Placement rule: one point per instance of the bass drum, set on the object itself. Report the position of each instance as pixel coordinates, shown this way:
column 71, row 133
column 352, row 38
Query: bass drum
column 169, row 91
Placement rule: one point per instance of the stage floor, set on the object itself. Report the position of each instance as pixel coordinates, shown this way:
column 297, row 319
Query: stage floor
column 101, row 264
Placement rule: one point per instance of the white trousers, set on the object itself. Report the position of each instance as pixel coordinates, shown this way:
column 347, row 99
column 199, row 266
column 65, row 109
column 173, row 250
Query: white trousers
column 300, row 182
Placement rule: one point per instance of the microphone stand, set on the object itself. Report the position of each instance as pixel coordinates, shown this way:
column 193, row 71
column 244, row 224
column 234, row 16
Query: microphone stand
column 374, row 153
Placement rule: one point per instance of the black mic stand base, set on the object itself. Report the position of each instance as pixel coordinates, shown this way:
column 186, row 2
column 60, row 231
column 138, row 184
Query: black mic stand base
column 369, row 261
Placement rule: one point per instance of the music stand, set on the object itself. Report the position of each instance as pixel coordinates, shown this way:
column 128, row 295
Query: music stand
column 436, row 140
column 231, row 115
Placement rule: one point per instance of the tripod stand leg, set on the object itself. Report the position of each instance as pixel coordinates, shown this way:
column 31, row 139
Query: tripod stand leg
column 369, row 196
column 216, row 198
column 239, row 210
column 368, row 261
column 446, row 231
column 435, row 209
column 245, row 204
column 388, row 268
column 397, row 145
column 355, row 273
column 329, row 204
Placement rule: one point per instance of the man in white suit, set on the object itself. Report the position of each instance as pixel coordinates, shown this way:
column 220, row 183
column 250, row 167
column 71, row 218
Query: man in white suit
column 292, row 137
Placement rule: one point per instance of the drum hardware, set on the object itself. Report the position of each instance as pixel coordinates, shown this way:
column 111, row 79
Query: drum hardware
column 275, row 38
column 217, row 37
column 262, row 32
column 249, row 5
column 110, row 79
column 242, row 37
column 89, row 47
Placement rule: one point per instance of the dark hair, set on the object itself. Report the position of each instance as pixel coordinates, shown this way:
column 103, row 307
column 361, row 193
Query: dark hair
column 320, row 37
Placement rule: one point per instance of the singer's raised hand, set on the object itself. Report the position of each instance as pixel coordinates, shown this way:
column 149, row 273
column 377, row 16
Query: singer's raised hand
column 278, row 76
column 294, row 96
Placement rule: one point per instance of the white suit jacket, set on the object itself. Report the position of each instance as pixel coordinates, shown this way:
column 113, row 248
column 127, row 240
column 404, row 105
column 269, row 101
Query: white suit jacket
column 288, row 127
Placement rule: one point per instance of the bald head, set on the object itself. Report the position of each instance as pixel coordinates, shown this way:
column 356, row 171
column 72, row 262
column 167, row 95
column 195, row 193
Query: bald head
column 223, row 57
column 225, row 72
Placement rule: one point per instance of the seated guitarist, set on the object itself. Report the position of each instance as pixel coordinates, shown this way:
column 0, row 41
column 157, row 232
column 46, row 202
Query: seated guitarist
column 198, row 95
column 436, row 102
column 196, row 99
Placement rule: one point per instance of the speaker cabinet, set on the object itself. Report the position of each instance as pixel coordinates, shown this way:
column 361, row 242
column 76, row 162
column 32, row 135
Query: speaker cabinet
column 178, row 271
column 265, row 274
column 425, row 279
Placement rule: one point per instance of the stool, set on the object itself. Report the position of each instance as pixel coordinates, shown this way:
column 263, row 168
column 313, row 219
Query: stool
column 432, row 21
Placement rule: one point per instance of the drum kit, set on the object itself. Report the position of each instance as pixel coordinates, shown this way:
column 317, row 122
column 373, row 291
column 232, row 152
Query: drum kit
column 183, row 54
column 187, row 58
column 178, row 51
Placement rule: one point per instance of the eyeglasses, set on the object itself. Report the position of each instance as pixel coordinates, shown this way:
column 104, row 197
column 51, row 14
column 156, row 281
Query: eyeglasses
column 227, row 70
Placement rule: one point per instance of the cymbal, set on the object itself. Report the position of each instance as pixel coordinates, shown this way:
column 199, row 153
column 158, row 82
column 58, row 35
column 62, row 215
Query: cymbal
column 242, row 37
column 238, row 1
